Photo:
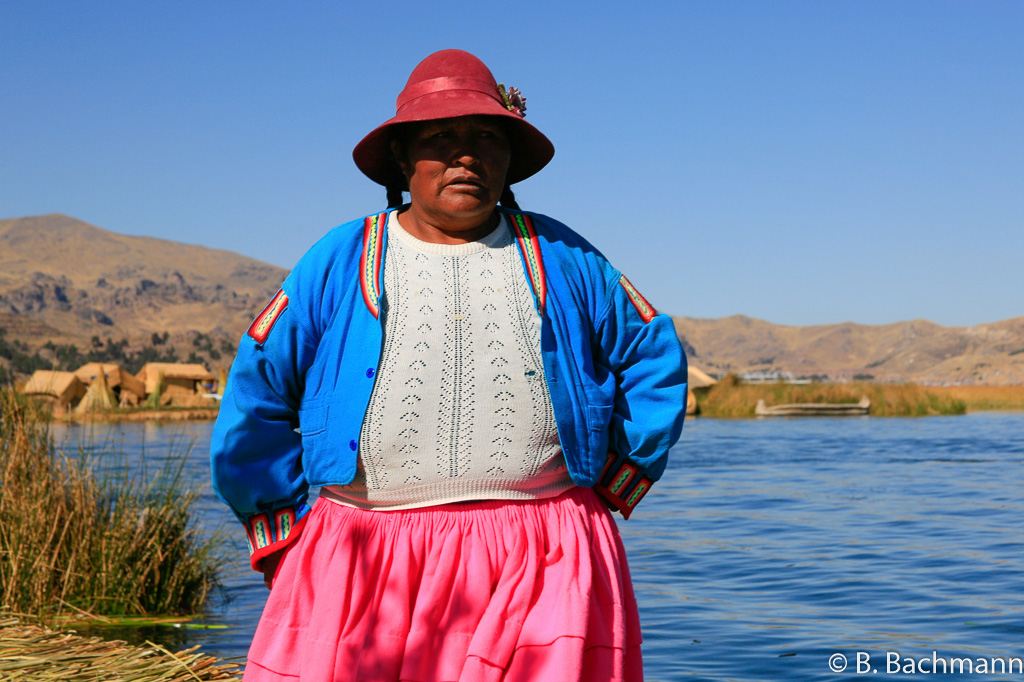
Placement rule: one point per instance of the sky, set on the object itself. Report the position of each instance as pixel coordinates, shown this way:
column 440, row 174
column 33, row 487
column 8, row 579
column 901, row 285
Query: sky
column 799, row 162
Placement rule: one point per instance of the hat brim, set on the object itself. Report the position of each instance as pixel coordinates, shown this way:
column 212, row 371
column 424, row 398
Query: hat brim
column 531, row 149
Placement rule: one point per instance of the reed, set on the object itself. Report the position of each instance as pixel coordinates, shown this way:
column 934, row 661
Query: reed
column 979, row 398
column 31, row 653
column 75, row 541
column 731, row 398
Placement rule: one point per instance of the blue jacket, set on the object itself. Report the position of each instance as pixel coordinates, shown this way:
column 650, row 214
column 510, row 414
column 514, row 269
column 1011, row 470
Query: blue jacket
column 299, row 388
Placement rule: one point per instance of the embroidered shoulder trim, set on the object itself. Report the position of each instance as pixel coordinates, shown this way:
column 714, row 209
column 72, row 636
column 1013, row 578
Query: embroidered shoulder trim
column 645, row 309
column 529, row 246
column 260, row 328
column 369, row 263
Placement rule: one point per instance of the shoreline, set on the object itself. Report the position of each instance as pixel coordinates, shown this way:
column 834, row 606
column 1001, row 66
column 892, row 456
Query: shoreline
column 153, row 415
column 732, row 398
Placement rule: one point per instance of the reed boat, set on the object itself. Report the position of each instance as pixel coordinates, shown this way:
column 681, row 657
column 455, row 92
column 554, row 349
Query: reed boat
column 814, row 409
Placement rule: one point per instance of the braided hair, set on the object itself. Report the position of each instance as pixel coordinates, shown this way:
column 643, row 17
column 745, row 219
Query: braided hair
column 508, row 199
column 394, row 196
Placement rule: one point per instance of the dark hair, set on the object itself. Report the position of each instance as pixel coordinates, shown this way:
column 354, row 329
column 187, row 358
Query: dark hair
column 399, row 137
column 394, row 196
column 508, row 199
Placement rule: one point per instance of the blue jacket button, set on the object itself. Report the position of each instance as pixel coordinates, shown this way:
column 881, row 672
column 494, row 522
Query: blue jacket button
column 353, row 445
column 369, row 373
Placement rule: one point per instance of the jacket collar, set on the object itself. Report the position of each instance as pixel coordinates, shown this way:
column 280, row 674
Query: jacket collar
column 372, row 257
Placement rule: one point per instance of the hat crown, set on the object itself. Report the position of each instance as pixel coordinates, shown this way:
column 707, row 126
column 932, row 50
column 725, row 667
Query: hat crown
column 458, row 63
column 448, row 70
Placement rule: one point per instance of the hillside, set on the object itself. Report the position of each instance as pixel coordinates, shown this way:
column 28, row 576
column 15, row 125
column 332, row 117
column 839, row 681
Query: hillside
column 917, row 350
column 65, row 281
column 82, row 280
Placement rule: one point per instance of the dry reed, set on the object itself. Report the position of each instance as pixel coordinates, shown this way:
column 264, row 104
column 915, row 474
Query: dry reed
column 986, row 397
column 73, row 541
column 731, row 398
column 30, row 653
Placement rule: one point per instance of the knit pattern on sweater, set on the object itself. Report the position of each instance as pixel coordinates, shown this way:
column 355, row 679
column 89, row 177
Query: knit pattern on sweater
column 460, row 409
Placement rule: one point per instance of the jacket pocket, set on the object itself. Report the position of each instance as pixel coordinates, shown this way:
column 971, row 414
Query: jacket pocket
column 598, row 417
column 313, row 418
column 598, row 421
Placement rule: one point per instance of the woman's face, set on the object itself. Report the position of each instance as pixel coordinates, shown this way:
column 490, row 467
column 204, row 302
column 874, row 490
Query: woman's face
column 456, row 170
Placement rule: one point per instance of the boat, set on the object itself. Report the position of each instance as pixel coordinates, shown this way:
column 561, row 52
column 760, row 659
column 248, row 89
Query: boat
column 814, row 409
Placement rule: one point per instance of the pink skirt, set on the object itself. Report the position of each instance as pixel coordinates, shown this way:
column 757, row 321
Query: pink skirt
column 477, row 591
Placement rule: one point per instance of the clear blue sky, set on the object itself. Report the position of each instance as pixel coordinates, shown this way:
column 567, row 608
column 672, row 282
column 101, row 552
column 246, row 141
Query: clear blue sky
column 800, row 162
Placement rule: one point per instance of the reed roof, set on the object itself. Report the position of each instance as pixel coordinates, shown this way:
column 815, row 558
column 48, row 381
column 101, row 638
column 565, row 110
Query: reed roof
column 151, row 372
column 64, row 386
column 98, row 397
column 115, row 374
column 698, row 378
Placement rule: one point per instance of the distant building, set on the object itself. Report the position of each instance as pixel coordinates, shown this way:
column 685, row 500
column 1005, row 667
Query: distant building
column 127, row 390
column 182, row 383
column 762, row 377
column 63, row 388
column 99, row 397
column 696, row 380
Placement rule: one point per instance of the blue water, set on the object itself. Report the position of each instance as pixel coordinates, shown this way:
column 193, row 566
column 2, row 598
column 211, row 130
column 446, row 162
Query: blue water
column 771, row 545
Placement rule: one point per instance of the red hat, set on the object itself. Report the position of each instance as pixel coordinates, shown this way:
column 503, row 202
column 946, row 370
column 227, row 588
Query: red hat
column 447, row 84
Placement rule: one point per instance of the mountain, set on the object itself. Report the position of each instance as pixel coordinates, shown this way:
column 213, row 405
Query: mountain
column 917, row 350
column 76, row 280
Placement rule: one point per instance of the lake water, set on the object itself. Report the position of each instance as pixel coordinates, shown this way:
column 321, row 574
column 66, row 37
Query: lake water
column 773, row 548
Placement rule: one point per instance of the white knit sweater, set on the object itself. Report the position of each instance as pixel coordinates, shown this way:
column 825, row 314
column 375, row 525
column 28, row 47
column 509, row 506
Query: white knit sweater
column 460, row 409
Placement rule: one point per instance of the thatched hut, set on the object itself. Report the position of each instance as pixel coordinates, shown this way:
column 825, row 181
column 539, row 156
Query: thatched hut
column 63, row 388
column 696, row 380
column 699, row 379
column 128, row 391
column 177, row 383
column 98, row 397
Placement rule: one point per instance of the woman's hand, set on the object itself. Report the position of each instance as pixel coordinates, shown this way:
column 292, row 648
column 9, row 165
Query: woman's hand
column 269, row 565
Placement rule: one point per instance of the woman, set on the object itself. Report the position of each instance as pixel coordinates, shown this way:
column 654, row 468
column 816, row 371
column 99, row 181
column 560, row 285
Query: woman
column 473, row 387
